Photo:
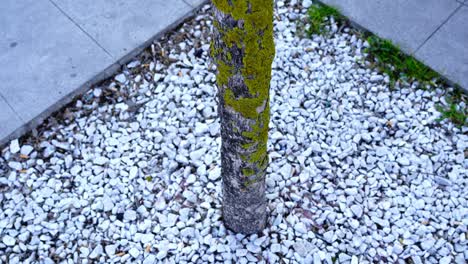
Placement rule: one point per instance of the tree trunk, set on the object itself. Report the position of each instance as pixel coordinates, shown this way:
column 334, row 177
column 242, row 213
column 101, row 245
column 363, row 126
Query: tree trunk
column 243, row 51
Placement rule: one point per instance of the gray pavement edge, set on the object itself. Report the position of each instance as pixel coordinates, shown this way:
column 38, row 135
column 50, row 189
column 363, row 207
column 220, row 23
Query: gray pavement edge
column 105, row 74
column 446, row 79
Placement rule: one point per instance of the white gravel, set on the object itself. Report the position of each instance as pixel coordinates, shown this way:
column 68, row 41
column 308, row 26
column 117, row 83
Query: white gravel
column 130, row 172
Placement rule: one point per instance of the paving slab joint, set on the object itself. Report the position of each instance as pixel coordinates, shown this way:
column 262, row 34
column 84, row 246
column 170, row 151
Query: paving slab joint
column 11, row 107
column 437, row 29
column 103, row 75
column 81, row 28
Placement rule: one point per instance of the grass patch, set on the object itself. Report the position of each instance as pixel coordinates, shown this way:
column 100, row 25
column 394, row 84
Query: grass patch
column 453, row 113
column 317, row 15
column 391, row 60
column 397, row 65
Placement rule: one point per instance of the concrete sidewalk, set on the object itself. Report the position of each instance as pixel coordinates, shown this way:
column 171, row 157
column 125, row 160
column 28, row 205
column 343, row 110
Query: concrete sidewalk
column 433, row 31
column 53, row 50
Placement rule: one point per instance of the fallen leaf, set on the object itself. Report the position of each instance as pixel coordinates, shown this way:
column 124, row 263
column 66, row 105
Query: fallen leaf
column 389, row 123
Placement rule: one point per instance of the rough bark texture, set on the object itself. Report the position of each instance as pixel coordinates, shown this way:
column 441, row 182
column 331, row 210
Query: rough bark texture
column 243, row 51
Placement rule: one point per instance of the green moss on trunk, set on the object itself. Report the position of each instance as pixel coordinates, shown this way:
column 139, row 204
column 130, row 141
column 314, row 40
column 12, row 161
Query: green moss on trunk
column 254, row 36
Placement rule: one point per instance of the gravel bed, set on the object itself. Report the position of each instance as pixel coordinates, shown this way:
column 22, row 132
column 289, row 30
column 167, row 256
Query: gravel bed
column 130, row 172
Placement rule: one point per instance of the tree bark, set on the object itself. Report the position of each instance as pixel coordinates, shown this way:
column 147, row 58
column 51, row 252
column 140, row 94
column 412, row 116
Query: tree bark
column 243, row 50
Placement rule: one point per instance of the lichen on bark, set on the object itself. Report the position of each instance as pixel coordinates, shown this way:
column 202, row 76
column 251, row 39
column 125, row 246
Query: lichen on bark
column 255, row 39
column 243, row 50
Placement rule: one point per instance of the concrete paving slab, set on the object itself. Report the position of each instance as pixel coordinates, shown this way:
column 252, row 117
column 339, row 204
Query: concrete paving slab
column 45, row 57
column 408, row 23
column 121, row 25
column 447, row 50
column 9, row 120
column 49, row 57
